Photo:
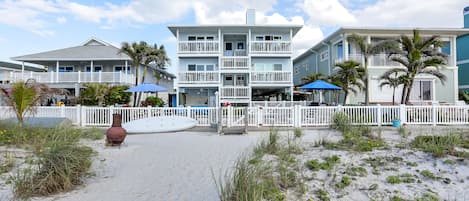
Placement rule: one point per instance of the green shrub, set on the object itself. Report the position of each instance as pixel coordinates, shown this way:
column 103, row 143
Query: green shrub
column 344, row 182
column 153, row 101
column 298, row 132
column 328, row 164
column 322, row 195
column 428, row 174
column 356, row 171
column 8, row 162
column 117, row 95
column 340, row 121
column 393, row 179
column 403, row 178
column 438, row 146
column 449, row 162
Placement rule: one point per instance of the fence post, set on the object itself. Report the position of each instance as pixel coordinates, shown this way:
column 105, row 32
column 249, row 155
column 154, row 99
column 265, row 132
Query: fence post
column 62, row 111
column 259, row 116
column 297, row 116
column 433, row 114
column 78, row 114
column 83, row 116
column 188, row 112
column 111, row 111
column 402, row 114
column 148, row 111
column 378, row 113
column 230, row 116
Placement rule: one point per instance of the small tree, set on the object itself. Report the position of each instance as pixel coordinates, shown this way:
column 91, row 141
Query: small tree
column 349, row 76
column 392, row 80
column 311, row 77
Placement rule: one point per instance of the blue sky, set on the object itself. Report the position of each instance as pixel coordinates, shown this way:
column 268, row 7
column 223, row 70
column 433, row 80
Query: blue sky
column 31, row 26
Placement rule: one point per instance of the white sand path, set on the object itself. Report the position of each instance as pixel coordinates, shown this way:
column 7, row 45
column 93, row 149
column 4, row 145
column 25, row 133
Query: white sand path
column 176, row 166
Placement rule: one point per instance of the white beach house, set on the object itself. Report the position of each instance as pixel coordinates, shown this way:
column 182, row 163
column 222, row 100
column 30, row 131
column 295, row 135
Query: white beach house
column 234, row 64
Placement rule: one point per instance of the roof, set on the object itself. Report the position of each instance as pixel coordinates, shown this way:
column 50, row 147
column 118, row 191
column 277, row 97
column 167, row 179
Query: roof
column 384, row 30
column 92, row 49
column 14, row 66
column 295, row 28
column 161, row 71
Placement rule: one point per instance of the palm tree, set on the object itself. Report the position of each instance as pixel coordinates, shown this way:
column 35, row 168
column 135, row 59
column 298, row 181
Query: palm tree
column 156, row 55
column 311, row 77
column 25, row 95
column 136, row 52
column 419, row 56
column 349, row 76
column 94, row 94
column 392, row 80
column 367, row 50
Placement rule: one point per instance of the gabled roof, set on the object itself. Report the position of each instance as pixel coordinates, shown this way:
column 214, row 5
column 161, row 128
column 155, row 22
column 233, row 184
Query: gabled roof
column 14, row 66
column 92, row 49
column 161, row 71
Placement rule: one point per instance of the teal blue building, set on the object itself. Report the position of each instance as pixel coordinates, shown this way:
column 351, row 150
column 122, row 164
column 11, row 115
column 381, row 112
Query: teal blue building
column 463, row 54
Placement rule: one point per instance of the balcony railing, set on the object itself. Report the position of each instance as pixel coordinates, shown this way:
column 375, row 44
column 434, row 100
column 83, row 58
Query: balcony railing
column 374, row 60
column 234, row 63
column 74, row 77
column 271, row 77
column 202, row 77
column 198, row 47
column 271, row 47
column 233, row 92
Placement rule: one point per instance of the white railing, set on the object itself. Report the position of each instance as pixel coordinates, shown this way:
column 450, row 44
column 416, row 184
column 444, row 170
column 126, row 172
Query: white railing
column 234, row 63
column 198, row 77
column 198, row 47
column 271, row 47
column 374, row 60
column 235, row 92
column 74, row 77
column 278, row 103
column 237, row 53
column 271, row 77
column 258, row 116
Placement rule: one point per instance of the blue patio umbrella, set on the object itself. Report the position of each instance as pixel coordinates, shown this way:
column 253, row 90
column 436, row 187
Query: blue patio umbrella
column 320, row 85
column 146, row 87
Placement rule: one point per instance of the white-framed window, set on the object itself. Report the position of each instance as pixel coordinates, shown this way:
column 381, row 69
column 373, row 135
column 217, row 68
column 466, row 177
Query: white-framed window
column 324, row 55
column 201, row 67
column 200, row 38
column 297, row 70
column 422, row 90
column 267, row 67
column 66, row 69
column 120, row 68
column 96, row 68
column 268, row 37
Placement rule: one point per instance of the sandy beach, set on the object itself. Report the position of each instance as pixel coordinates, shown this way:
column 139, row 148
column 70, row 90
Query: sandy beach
column 175, row 166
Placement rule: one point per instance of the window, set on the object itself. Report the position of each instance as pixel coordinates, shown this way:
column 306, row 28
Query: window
column 268, row 38
column 324, row 56
column 259, row 38
column 446, row 48
column 191, row 38
column 228, row 46
column 297, row 70
column 200, row 67
column 422, row 90
column 66, row 69
column 121, row 68
column 200, row 38
column 277, row 37
column 240, row 46
column 210, row 38
column 277, row 67
column 229, row 78
column 95, row 68
column 191, row 67
column 209, row 67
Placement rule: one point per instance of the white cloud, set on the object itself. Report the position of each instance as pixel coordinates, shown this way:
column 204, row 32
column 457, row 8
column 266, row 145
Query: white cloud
column 61, row 20
column 419, row 13
column 327, row 13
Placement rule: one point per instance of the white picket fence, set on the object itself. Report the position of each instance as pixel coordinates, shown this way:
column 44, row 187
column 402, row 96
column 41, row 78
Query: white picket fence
column 258, row 116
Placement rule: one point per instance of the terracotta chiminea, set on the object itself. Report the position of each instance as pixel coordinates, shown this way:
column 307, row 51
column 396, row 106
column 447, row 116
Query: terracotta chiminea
column 116, row 134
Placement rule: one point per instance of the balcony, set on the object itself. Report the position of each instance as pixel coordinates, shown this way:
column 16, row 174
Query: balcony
column 234, row 63
column 202, row 77
column 272, row 77
column 235, row 92
column 198, row 47
column 271, row 47
column 374, row 60
column 75, row 77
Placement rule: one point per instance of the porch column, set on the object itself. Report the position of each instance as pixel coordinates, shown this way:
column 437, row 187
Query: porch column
column 126, row 71
column 77, row 90
column 345, row 47
column 57, row 71
column 91, row 70
column 22, row 70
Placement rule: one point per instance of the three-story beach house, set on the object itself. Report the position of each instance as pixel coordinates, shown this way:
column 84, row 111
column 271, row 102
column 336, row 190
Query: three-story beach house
column 322, row 58
column 234, row 64
column 94, row 61
column 463, row 54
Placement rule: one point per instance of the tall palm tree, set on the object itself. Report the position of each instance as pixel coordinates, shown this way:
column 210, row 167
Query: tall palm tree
column 392, row 80
column 367, row 50
column 349, row 76
column 136, row 52
column 311, row 77
column 418, row 55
